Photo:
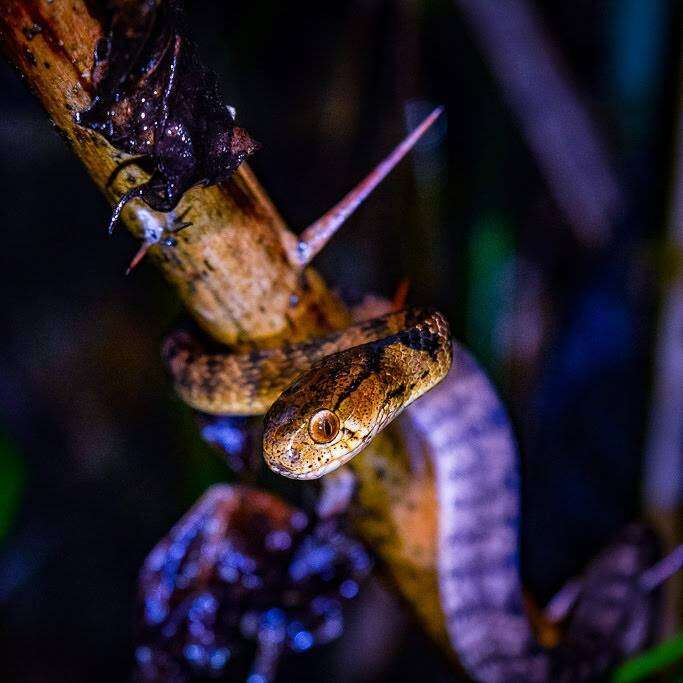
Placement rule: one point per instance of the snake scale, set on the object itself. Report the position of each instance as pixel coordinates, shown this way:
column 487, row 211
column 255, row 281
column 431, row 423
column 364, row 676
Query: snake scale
column 324, row 400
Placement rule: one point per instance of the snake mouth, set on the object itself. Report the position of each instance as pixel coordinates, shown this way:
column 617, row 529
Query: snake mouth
column 313, row 474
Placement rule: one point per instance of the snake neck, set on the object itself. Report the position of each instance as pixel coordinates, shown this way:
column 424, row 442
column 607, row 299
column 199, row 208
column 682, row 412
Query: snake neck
column 231, row 382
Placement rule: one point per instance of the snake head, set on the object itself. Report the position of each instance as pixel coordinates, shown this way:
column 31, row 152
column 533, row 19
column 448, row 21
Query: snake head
column 326, row 416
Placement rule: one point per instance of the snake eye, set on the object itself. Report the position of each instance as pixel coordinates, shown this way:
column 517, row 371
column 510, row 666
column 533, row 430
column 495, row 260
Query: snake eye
column 324, row 426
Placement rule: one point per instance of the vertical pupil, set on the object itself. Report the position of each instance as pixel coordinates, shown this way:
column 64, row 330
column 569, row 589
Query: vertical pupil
column 323, row 426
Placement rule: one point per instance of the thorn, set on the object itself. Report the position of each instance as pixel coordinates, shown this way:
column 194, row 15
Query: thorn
column 180, row 218
column 144, row 248
column 401, row 295
column 125, row 198
column 318, row 234
column 180, row 226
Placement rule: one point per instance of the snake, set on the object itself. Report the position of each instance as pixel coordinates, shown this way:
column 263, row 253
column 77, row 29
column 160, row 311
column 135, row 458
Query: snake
column 325, row 399
column 339, row 390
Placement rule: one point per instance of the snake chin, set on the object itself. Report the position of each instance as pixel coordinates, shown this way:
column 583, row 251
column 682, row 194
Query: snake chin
column 312, row 474
column 305, row 476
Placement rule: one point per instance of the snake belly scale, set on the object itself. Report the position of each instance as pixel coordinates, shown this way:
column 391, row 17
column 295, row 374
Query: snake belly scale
column 324, row 399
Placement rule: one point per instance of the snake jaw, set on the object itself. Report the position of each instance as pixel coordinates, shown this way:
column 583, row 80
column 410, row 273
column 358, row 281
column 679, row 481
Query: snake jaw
column 294, row 454
column 307, row 476
column 306, row 460
column 317, row 472
column 289, row 460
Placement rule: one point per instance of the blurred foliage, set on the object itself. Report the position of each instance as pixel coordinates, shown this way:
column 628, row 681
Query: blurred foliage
column 12, row 480
column 202, row 467
column 491, row 263
column 657, row 660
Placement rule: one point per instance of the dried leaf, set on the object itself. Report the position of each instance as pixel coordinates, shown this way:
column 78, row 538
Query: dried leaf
column 241, row 567
column 155, row 98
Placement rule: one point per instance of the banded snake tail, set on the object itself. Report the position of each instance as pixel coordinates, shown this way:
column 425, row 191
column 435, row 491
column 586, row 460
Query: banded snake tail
column 327, row 398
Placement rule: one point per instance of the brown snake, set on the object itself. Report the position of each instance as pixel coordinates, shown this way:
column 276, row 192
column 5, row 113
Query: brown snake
column 324, row 402
column 338, row 391
column 325, row 399
column 468, row 435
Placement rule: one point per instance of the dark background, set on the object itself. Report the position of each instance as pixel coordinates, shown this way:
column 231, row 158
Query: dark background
column 98, row 459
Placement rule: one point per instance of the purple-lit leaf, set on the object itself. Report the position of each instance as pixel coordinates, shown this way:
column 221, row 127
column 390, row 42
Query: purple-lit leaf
column 242, row 566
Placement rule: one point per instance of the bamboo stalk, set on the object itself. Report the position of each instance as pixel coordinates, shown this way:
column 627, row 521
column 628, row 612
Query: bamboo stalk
column 552, row 116
column 663, row 461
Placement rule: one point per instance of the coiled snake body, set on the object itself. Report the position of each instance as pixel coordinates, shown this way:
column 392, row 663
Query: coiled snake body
column 325, row 399
column 324, row 402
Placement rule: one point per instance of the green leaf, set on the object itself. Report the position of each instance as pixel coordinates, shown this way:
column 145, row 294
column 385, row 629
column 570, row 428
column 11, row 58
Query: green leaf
column 650, row 662
column 491, row 255
column 12, row 478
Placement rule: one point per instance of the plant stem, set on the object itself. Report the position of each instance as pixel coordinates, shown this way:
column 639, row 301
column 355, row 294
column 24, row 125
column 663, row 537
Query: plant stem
column 232, row 273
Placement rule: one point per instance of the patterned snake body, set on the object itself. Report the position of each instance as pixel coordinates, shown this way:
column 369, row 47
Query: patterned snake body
column 477, row 485
column 325, row 401
column 475, row 464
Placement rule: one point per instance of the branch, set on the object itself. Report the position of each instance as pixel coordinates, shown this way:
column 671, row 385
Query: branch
column 231, row 270
column 233, row 255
